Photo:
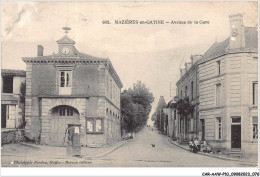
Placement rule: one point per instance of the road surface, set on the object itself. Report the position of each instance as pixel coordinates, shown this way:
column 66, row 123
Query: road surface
column 140, row 153
column 136, row 153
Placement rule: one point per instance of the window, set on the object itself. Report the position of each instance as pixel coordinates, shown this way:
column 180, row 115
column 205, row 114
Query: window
column 95, row 125
column 181, row 94
column 218, row 128
column 67, row 111
column 191, row 124
column 236, row 119
column 98, row 125
column 218, row 86
column 107, row 84
column 90, row 125
column 7, row 84
column 219, row 67
column 255, row 93
column 192, row 90
column 114, row 91
column 65, row 78
column 111, row 88
column 186, row 91
column 255, row 128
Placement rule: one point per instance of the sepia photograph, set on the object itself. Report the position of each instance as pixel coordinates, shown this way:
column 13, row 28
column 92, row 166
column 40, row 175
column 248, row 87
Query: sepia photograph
column 130, row 84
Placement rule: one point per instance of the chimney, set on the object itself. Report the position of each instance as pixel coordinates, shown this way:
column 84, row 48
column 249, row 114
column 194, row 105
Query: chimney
column 40, row 50
column 237, row 34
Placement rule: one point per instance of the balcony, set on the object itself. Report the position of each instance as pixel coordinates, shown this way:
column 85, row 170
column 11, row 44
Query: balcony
column 57, row 91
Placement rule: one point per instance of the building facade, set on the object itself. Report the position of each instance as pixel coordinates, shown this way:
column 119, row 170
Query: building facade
column 187, row 127
column 72, row 87
column 12, row 105
column 228, row 91
column 225, row 92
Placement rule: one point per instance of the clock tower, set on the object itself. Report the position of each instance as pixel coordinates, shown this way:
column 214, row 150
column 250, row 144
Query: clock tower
column 66, row 46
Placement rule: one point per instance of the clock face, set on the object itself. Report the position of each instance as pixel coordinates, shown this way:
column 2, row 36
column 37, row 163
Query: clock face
column 65, row 50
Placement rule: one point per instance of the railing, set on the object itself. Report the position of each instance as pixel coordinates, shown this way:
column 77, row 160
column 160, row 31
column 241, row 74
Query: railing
column 55, row 90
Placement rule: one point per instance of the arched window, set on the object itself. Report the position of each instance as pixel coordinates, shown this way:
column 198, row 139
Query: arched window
column 64, row 110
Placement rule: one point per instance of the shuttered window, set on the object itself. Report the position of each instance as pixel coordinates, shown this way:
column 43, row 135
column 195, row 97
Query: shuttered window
column 218, row 93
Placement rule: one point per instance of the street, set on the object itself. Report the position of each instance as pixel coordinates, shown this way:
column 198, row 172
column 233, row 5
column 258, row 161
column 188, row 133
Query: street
column 140, row 153
column 136, row 153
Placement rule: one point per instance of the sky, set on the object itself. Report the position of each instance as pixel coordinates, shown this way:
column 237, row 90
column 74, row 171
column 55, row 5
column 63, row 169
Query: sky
column 152, row 53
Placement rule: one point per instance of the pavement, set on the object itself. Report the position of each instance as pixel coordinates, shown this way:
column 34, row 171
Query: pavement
column 27, row 152
column 135, row 153
column 213, row 155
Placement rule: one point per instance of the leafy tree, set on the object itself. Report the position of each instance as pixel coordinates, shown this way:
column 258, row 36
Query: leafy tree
column 184, row 107
column 159, row 116
column 135, row 107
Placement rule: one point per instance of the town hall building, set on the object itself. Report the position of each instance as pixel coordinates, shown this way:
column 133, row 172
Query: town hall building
column 72, row 87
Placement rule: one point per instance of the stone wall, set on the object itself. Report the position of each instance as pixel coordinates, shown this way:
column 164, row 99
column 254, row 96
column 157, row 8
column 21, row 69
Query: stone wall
column 49, row 103
column 12, row 136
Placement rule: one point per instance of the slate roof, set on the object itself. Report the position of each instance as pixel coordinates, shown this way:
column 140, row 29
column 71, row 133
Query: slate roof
column 12, row 72
column 221, row 48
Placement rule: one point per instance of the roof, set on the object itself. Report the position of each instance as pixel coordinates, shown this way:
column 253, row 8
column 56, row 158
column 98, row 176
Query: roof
column 11, row 72
column 80, row 58
column 221, row 48
column 65, row 40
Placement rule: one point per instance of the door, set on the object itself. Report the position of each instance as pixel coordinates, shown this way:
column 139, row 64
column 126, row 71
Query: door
column 203, row 129
column 3, row 116
column 58, row 129
column 235, row 136
column 62, row 116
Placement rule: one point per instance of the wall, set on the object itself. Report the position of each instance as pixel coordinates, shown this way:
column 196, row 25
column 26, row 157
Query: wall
column 238, row 71
column 191, row 76
column 90, row 83
column 12, row 136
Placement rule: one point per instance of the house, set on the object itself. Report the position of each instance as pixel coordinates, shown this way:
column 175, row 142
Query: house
column 228, row 91
column 12, row 105
column 72, row 87
column 187, row 88
column 223, row 86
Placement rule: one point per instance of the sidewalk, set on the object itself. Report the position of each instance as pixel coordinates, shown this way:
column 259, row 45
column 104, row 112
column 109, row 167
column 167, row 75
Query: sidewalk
column 34, row 150
column 218, row 156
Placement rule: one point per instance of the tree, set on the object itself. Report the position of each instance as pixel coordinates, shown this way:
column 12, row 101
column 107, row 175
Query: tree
column 183, row 107
column 135, row 107
column 159, row 115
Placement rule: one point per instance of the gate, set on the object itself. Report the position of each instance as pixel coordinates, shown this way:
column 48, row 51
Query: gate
column 61, row 116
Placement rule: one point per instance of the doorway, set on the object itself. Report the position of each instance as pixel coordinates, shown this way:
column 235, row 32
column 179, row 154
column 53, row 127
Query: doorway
column 202, row 121
column 3, row 115
column 235, row 136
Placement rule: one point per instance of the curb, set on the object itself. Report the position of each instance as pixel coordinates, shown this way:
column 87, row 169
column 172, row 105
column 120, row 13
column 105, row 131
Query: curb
column 28, row 145
column 109, row 151
column 209, row 155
